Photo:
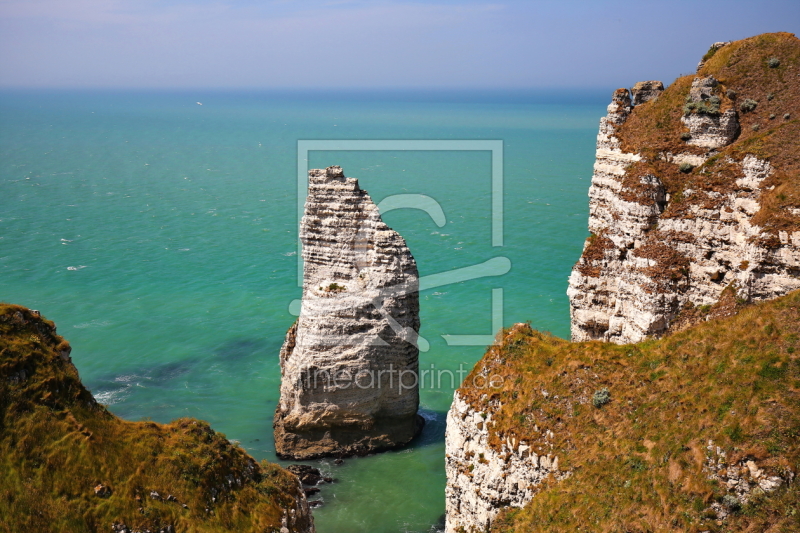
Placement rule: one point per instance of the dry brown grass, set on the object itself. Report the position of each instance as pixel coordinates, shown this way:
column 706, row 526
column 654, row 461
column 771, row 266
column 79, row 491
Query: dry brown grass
column 57, row 444
column 637, row 462
column 655, row 127
column 593, row 256
column 669, row 264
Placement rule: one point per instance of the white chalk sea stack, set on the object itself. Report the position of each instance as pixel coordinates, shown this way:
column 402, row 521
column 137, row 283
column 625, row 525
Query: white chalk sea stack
column 349, row 363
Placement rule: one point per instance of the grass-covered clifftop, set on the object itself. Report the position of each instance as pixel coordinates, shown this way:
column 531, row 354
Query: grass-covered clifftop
column 760, row 78
column 67, row 464
column 641, row 462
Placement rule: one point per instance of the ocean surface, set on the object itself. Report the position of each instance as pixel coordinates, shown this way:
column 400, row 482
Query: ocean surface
column 159, row 231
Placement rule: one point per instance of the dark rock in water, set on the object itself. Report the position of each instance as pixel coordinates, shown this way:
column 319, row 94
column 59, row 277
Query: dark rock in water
column 327, row 479
column 308, row 474
column 338, row 461
column 311, row 491
column 315, row 503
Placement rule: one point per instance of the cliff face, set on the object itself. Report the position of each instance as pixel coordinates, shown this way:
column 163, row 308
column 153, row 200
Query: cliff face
column 349, row 363
column 482, row 479
column 694, row 215
column 67, row 464
column 695, row 189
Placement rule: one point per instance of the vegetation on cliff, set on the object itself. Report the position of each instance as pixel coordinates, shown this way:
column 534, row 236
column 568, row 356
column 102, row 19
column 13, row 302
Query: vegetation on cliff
column 683, row 433
column 696, row 189
column 67, row 464
column 759, row 78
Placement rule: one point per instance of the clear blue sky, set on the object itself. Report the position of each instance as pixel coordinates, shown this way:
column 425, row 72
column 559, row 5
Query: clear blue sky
column 383, row 43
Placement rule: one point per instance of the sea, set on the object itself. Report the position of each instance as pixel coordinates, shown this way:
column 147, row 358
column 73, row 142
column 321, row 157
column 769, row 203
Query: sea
column 159, row 230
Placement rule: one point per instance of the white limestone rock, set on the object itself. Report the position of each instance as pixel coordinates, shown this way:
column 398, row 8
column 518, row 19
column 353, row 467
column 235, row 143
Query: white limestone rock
column 644, row 91
column 709, row 129
column 743, row 479
column 712, row 131
column 481, row 480
column 640, row 269
column 349, row 364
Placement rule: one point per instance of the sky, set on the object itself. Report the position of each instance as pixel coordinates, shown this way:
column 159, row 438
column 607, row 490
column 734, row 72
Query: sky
column 471, row 44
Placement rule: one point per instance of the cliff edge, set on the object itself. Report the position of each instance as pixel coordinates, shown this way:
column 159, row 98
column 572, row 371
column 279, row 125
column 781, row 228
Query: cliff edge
column 696, row 188
column 687, row 419
column 694, row 432
column 67, row 464
column 349, row 363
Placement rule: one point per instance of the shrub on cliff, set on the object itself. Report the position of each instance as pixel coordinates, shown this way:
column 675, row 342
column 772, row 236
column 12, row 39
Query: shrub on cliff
column 748, row 105
column 706, row 107
column 601, row 397
column 731, row 502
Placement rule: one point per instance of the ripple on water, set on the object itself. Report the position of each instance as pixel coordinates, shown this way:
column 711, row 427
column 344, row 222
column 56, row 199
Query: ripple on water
column 97, row 323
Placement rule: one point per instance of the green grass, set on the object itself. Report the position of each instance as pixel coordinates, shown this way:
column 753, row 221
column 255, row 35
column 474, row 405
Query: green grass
column 637, row 462
column 57, row 444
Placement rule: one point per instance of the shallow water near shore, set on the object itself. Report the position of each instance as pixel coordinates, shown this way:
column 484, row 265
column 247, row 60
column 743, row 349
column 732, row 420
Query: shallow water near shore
column 161, row 237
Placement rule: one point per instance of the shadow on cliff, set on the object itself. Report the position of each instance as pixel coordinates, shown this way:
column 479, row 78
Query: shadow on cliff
column 433, row 431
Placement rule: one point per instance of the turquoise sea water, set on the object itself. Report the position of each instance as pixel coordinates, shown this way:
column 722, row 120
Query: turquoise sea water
column 160, row 236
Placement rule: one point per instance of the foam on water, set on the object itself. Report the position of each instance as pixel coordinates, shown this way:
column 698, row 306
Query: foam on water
column 93, row 324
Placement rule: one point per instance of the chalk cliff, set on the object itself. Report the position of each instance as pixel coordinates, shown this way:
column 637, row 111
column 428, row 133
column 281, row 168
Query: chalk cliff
column 694, row 215
column 694, row 190
column 481, row 478
column 696, row 431
column 349, row 363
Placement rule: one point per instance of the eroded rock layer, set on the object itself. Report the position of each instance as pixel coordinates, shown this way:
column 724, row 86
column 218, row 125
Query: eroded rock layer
column 686, row 201
column 480, row 479
column 349, row 364
column 694, row 210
